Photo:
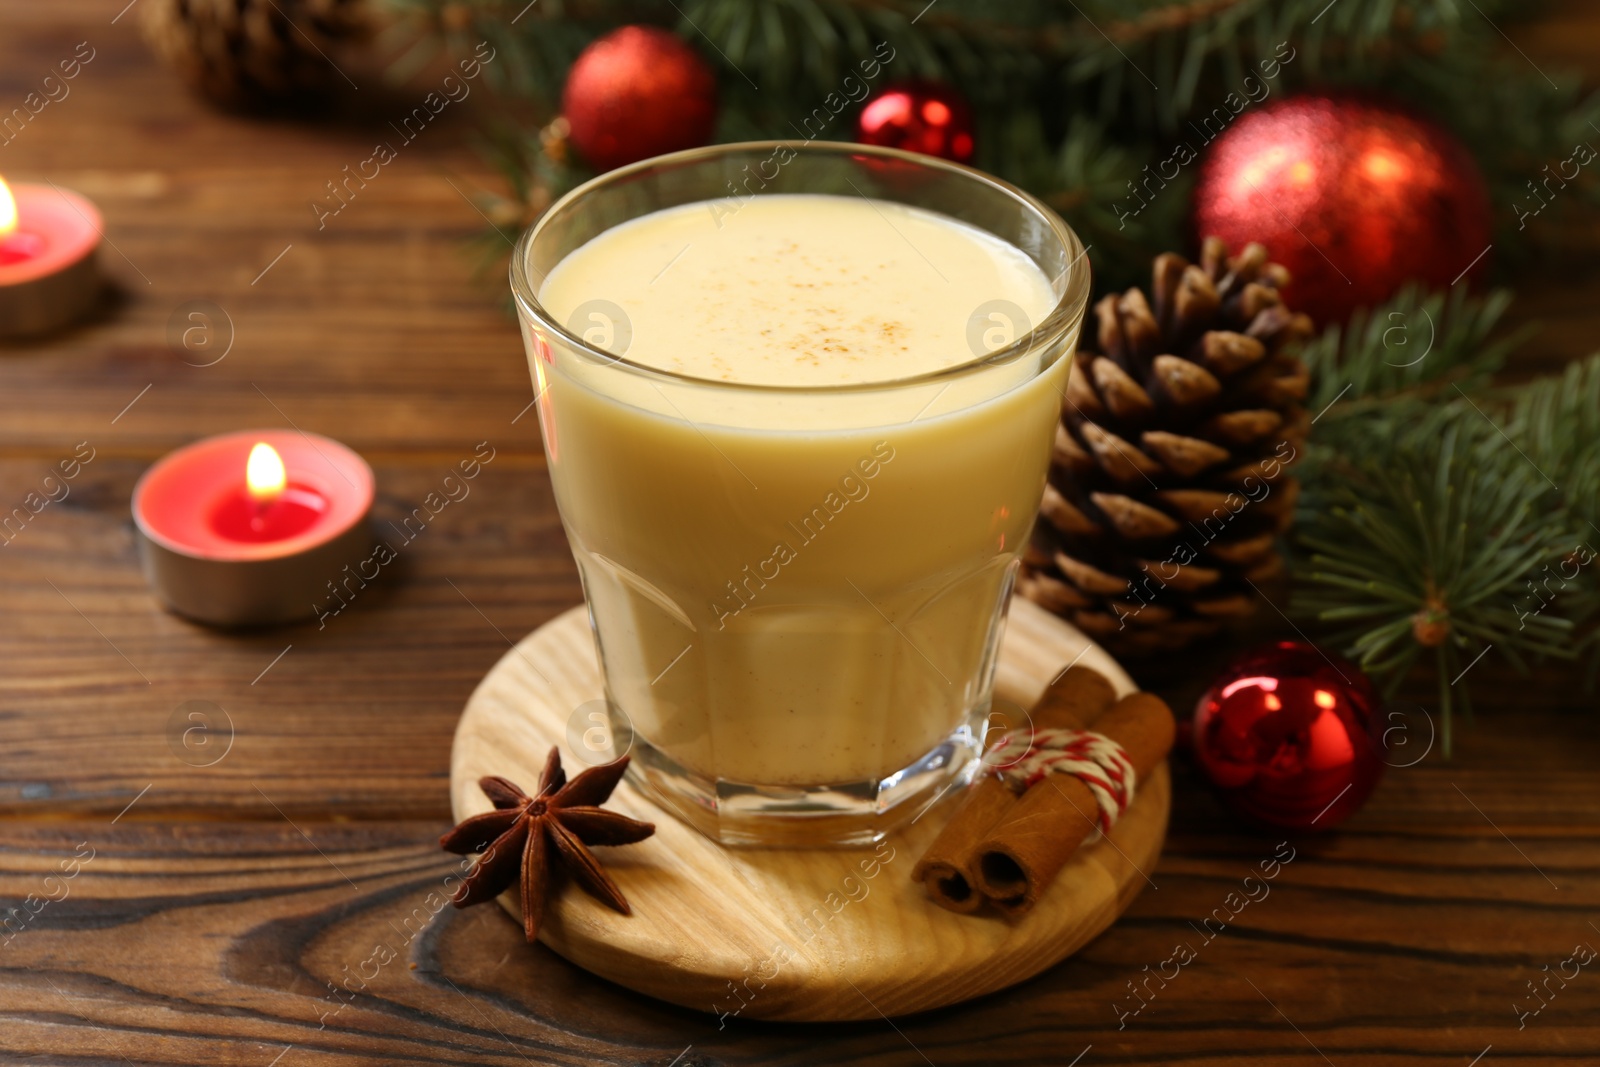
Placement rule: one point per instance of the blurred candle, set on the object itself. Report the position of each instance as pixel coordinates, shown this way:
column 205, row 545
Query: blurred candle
column 48, row 240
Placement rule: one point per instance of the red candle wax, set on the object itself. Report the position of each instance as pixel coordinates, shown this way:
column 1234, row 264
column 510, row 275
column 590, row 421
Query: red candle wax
column 21, row 248
column 241, row 517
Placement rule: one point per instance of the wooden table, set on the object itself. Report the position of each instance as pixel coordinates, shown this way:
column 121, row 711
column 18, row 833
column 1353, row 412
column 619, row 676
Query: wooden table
column 215, row 909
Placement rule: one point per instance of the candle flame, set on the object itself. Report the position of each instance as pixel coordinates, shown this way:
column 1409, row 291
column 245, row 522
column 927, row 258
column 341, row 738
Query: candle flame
column 264, row 475
column 8, row 209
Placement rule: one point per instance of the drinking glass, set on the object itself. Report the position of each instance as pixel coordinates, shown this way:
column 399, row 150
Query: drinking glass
column 797, row 593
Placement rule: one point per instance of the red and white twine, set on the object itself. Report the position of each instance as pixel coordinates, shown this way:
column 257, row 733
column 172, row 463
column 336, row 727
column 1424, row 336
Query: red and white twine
column 1023, row 758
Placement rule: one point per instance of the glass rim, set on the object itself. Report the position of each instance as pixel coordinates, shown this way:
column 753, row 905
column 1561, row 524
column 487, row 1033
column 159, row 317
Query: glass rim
column 1062, row 316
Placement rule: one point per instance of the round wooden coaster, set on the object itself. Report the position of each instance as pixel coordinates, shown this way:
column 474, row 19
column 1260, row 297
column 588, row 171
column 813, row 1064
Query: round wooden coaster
column 794, row 935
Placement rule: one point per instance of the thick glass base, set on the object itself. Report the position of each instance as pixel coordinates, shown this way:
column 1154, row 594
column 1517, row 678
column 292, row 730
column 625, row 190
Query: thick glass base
column 843, row 815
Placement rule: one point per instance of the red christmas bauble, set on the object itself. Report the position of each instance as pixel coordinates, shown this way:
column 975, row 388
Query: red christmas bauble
column 925, row 117
column 638, row 92
column 1289, row 737
column 1355, row 197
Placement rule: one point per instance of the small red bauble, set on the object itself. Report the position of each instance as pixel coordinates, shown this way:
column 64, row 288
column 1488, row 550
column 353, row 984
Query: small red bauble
column 635, row 93
column 924, row 117
column 1355, row 197
column 1290, row 738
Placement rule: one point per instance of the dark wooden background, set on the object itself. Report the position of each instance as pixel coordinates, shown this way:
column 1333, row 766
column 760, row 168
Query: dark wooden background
column 221, row 902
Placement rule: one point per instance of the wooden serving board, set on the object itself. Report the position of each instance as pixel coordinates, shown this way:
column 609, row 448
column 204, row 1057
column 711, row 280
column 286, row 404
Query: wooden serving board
column 795, row 935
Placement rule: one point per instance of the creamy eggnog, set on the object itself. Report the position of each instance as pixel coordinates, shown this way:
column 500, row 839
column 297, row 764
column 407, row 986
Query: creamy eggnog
column 796, row 540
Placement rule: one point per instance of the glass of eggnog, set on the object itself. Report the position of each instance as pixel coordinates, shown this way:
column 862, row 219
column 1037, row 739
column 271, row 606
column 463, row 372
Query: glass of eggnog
column 798, row 402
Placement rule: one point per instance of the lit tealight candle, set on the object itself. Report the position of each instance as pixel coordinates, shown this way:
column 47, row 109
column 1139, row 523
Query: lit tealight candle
column 48, row 239
column 251, row 527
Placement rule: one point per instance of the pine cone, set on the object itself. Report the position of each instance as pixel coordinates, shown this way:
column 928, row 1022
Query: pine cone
column 256, row 53
column 1167, row 493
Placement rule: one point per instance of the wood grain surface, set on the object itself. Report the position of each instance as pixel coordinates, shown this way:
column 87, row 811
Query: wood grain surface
column 233, row 888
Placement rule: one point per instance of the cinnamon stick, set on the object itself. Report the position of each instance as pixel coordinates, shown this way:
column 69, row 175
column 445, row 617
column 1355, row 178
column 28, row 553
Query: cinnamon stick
column 1077, row 697
column 1034, row 839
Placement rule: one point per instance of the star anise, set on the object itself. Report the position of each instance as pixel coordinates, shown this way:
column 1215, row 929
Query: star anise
column 535, row 834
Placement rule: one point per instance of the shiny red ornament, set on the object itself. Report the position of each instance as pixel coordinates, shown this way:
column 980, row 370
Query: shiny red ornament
column 925, row 117
column 638, row 92
column 1290, row 738
column 1355, row 197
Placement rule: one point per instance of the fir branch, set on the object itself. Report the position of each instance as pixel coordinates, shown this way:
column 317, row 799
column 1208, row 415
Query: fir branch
column 1166, row 19
column 1437, row 532
column 1416, row 345
column 1087, row 179
column 1424, row 541
column 1557, row 423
